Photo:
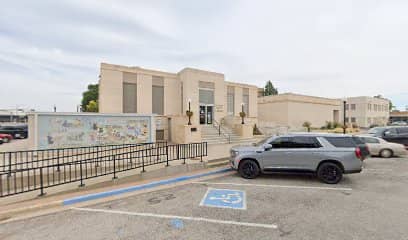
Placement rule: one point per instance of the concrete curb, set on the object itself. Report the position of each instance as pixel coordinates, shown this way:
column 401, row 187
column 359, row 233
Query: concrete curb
column 94, row 196
column 13, row 214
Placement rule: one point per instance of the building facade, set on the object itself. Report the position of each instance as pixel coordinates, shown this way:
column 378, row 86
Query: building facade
column 292, row 110
column 212, row 100
column 367, row 111
column 398, row 116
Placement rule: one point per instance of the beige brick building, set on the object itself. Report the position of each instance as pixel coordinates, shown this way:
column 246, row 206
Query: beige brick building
column 292, row 110
column 212, row 99
column 366, row 111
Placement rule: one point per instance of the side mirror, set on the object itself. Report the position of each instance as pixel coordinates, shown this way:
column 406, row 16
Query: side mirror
column 267, row 146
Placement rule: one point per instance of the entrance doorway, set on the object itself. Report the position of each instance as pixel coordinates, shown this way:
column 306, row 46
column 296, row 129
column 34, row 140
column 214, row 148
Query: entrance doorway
column 206, row 114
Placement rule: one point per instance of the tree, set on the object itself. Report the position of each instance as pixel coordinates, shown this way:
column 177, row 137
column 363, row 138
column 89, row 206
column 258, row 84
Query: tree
column 270, row 89
column 92, row 106
column 307, row 125
column 391, row 106
column 89, row 95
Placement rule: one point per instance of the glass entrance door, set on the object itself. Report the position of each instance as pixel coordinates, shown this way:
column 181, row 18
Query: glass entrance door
column 202, row 114
column 206, row 114
column 209, row 114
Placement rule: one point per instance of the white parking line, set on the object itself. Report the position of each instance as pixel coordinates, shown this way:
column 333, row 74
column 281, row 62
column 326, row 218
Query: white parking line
column 247, row 224
column 377, row 169
column 275, row 186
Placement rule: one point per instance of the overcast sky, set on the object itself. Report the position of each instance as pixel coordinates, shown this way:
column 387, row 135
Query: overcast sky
column 51, row 50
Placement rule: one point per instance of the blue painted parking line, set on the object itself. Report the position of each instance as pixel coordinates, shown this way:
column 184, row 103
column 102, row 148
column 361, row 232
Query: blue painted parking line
column 94, row 196
column 224, row 198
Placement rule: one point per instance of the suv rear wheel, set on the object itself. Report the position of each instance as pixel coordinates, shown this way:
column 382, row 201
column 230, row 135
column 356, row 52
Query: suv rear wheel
column 248, row 169
column 329, row 173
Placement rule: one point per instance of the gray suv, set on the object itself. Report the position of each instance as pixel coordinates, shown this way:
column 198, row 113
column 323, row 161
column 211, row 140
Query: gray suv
column 329, row 156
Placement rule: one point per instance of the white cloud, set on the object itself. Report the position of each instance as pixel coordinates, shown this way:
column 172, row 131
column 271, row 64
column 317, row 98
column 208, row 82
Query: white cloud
column 50, row 50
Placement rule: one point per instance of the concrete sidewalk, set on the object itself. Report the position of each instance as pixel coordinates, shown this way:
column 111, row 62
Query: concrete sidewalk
column 14, row 210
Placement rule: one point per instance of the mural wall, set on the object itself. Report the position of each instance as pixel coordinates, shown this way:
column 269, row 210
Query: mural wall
column 56, row 131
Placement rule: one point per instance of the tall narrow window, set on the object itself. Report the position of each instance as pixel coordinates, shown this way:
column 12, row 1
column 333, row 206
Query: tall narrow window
column 158, row 95
column 129, row 97
column 158, row 100
column 230, row 100
column 182, row 99
column 245, row 100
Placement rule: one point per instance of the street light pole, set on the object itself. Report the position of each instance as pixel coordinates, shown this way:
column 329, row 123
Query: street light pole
column 189, row 110
column 242, row 111
column 344, row 117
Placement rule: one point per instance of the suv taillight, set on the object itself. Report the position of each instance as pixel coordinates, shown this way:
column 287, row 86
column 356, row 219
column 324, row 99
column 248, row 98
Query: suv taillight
column 358, row 153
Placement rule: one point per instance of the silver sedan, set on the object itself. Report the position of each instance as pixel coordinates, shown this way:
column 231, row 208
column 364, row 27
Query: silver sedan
column 382, row 148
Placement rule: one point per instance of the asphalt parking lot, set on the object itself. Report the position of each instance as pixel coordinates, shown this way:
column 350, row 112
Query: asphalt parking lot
column 369, row 205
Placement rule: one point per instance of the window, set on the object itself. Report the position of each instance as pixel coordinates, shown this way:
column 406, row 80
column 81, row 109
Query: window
column 206, row 96
column 375, row 107
column 305, row 142
column 341, row 142
column 403, row 130
column 370, row 140
column 391, row 131
column 347, row 106
column 129, row 97
column 369, row 107
column 245, row 100
column 347, row 119
column 353, row 107
column 182, row 99
column 160, row 135
column 230, row 100
column 283, row 142
column 296, row 142
column 353, row 119
column 158, row 100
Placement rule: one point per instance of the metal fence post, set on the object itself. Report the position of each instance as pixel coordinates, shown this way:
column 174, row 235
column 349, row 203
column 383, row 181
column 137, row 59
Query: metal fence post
column 143, row 165
column 58, row 163
column 184, row 153
column 167, row 155
column 41, row 183
column 9, row 157
column 114, row 168
column 178, row 151
column 201, row 152
column 81, row 178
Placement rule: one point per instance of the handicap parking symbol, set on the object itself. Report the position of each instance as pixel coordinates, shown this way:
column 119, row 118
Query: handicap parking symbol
column 224, row 198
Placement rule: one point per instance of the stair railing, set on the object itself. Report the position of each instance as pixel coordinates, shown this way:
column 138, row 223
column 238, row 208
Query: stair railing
column 221, row 131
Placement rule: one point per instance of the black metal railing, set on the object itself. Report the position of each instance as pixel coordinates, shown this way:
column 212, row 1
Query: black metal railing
column 25, row 171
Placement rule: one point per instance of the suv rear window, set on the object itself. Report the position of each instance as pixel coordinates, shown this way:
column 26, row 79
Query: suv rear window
column 342, row 142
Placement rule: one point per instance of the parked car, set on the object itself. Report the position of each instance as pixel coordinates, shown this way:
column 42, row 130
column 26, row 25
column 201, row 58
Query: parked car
column 382, row 148
column 399, row 123
column 396, row 134
column 6, row 137
column 15, row 131
column 1, row 141
column 329, row 156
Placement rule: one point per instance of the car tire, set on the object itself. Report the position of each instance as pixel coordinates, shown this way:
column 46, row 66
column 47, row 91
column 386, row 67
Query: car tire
column 248, row 169
column 329, row 173
column 386, row 153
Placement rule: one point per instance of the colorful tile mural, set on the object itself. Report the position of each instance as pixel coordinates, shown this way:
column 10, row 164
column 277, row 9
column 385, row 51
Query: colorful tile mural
column 84, row 130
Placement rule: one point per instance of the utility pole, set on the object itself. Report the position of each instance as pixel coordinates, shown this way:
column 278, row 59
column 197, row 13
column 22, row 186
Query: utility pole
column 344, row 117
